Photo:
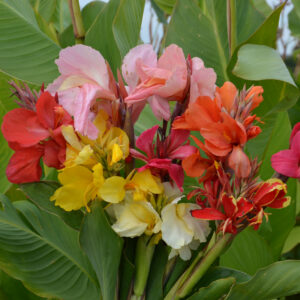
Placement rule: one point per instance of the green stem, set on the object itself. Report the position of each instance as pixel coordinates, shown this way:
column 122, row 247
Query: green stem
column 231, row 25
column 77, row 22
column 143, row 257
column 204, row 264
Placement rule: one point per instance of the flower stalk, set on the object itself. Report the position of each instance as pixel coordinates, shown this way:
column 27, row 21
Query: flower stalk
column 144, row 253
column 197, row 269
column 77, row 21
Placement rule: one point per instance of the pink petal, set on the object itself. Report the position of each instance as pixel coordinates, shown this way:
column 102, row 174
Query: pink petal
column 177, row 138
column 177, row 174
column 286, row 162
column 239, row 162
column 145, row 141
column 160, row 107
column 83, row 116
column 83, row 61
column 294, row 131
column 182, row 152
column 138, row 155
column 172, row 58
column 203, row 81
column 295, row 146
column 142, row 54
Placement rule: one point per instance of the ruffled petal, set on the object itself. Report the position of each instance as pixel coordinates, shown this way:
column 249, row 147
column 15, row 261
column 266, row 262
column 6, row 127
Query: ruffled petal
column 160, row 107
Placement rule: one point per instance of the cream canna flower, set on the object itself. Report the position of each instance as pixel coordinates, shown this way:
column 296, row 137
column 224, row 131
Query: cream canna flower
column 135, row 218
column 180, row 230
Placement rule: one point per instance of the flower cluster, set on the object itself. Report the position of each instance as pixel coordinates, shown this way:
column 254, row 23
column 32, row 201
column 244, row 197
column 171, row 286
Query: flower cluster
column 83, row 125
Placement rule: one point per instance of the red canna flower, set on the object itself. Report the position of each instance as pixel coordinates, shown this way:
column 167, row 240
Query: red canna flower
column 287, row 162
column 160, row 156
column 35, row 134
column 235, row 211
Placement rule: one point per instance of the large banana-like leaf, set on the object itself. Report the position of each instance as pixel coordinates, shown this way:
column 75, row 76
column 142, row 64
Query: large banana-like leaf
column 40, row 250
column 26, row 53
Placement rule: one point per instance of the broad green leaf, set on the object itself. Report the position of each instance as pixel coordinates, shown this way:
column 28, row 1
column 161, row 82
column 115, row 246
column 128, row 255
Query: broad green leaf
column 26, row 53
column 127, row 24
column 40, row 192
column 155, row 280
column 258, row 62
column 41, row 251
column 6, row 104
column 12, row 289
column 277, row 280
column 159, row 12
column 103, row 247
column 100, row 35
column 262, row 6
column 294, row 19
column 292, row 240
column 61, row 17
column 215, row 290
column 294, row 113
column 146, row 120
column 201, row 34
column 45, row 8
column 248, row 252
column 90, row 12
column 166, row 5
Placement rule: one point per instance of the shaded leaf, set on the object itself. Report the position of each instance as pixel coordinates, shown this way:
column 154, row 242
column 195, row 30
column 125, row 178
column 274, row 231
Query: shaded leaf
column 40, row 192
column 292, row 240
column 44, row 253
column 103, row 247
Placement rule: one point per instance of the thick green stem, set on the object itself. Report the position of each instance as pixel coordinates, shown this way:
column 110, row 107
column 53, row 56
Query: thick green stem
column 231, row 25
column 143, row 257
column 77, row 22
column 204, row 264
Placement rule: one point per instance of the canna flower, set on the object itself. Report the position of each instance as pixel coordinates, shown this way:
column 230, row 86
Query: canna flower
column 157, row 81
column 180, row 230
column 34, row 135
column 134, row 218
column 110, row 147
column 235, row 211
column 159, row 158
column 271, row 193
column 287, row 162
column 85, row 77
column 80, row 185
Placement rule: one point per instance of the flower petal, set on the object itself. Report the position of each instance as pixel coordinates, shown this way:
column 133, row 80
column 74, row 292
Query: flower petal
column 286, row 163
column 160, row 107
column 145, row 141
column 112, row 190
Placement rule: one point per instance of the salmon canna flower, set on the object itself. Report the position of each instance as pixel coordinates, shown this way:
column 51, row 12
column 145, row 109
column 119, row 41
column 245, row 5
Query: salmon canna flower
column 157, row 81
column 287, row 162
column 158, row 156
column 34, row 135
column 84, row 78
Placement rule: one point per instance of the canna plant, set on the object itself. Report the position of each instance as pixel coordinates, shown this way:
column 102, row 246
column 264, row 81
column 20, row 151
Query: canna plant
column 144, row 174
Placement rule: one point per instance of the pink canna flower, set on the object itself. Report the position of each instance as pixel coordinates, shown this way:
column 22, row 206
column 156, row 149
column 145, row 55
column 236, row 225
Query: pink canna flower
column 287, row 162
column 159, row 156
column 157, row 81
column 84, row 78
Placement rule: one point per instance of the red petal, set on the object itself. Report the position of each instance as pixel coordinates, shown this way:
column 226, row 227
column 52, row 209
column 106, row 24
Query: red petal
column 280, row 203
column 208, row 214
column 230, row 205
column 45, row 109
column 244, row 207
column 54, row 155
column 21, row 126
column 194, row 165
column 24, row 165
column 145, row 141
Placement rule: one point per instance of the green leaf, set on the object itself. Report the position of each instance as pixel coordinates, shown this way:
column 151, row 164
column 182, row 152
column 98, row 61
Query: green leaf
column 277, row 280
column 12, row 289
column 146, row 120
column 127, row 24
column 45, row 8
column 40, row 192
column 248, row 252
column 201, row 34
column 100, row 35
column 258, row 62
column 90, row 12
column 6, row 104
column 215, row 290
column 159, row 12
column 61, row 17
column 262, row 6
column 26, row 53
column 294, row 19
column 292, row 240
column 155, row 280
column 44, row 253
column 166, row 5
column 103, row 247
